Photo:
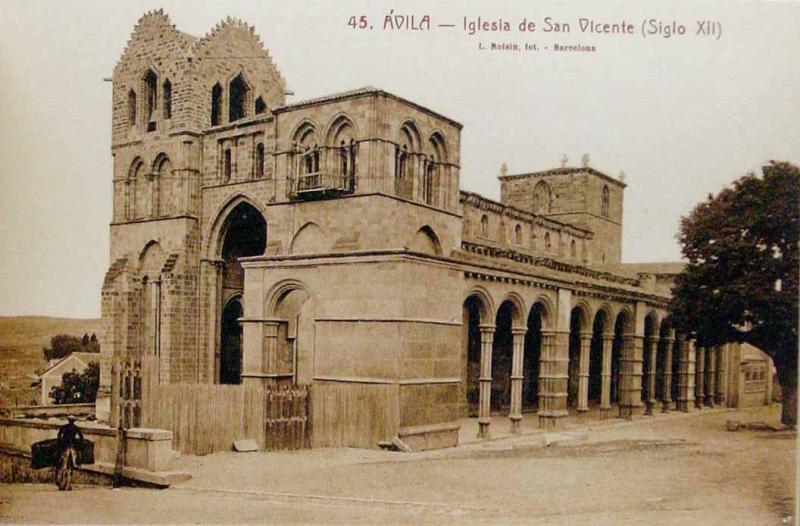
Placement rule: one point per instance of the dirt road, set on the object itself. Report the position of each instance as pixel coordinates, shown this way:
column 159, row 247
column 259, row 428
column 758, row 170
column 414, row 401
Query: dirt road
column 678, row 470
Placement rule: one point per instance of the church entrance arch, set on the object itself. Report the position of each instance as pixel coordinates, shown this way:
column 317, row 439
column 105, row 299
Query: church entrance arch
column 243, row 234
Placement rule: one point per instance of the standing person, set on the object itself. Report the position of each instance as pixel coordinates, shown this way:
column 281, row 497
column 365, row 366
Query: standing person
column 69, row 437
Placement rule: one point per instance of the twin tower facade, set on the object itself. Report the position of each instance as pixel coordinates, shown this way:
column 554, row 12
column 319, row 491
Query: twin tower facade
column 259, row 241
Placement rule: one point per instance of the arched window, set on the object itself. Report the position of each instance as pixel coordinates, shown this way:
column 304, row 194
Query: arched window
column 162, row 191
column 518, row 234
column 259, row 161
column 427, row 180
column 542, row 198
column 485, row 226
column 216, row 104
column 408, row 146
column 167, row 88
column 238, row 98
column 150, row 96
column 261, row 106
column 604, row 205
column 572, row 249
column 132, row 108
column 227, row 168
column 547, row 241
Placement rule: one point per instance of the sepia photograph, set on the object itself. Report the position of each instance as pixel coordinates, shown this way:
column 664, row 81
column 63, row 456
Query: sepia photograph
column 364, row 262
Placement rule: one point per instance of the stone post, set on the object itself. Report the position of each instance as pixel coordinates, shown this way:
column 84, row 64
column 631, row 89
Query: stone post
column 605, row 388
column 685, row 400
column 518, row 334
column 651, row 350
column 722, row 377
column 699, row 376
column 630, row 394
column 711, row 376
column 666, row 398
column 485, row 381
column 553, row 378
column 583, row 375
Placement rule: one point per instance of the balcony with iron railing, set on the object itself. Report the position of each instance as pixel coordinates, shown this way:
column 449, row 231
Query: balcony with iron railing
column 319, row 184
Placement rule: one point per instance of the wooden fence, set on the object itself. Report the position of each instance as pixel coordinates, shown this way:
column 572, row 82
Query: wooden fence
column 353, row 414
column 205, row 418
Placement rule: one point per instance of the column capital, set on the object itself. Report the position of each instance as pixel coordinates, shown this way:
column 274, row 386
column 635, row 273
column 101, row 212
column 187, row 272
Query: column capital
column 486, row 328
column 519, row 330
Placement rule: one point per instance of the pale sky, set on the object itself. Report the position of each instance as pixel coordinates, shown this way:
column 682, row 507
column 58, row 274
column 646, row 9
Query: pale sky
column 681, row 116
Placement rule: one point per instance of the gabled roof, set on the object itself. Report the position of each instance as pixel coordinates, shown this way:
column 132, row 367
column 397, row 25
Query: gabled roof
column 84, row 357
column 360, row 92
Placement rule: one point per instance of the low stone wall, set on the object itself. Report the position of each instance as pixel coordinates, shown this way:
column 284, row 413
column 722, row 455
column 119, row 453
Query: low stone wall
column 148, row 452
column 62, row 410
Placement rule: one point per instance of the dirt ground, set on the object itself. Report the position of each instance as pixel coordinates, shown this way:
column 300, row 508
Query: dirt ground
column 674, row 469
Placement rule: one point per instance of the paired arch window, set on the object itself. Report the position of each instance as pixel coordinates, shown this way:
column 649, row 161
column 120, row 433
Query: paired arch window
column 227, row 165
column 259, row 165
column 167, row 89
column 604, row 203
column 238, row 97
column 573, row 249
column 261, row 106
column 518, row 234
column 547, row 241
column 150, row 97
column 216, row 104
column 485, row 226
column 542, row 198
column 132, row 107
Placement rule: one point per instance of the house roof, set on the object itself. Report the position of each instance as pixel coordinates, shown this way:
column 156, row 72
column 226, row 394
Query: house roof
column 84, row 357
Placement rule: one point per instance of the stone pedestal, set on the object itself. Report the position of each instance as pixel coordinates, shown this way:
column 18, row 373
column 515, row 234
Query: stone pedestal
column 553, row 378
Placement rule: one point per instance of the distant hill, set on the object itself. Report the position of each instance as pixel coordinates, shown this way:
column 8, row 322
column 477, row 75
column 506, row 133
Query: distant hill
column 21, row 341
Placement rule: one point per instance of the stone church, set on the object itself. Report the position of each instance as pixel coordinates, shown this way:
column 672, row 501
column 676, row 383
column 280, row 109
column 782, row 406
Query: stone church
column 258, row 241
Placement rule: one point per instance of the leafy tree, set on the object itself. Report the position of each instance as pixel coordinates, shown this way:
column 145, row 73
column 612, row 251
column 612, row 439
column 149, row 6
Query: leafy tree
column 741, row 282
column 77, row 388
column 62, row 345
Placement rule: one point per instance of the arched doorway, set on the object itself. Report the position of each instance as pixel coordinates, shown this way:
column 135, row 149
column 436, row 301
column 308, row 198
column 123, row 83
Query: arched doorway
column 596, row 358
column 472, row 345
column 243, row 234
column 575, row 327
column 502, row 353
column 531, row 356
column 295, row 336
column 230, row 359
column 621, row 328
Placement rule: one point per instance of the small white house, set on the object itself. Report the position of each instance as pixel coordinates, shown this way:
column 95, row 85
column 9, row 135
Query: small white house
column 78, row 361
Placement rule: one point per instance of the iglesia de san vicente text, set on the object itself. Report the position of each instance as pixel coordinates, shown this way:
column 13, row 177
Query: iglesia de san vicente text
column 327, row 241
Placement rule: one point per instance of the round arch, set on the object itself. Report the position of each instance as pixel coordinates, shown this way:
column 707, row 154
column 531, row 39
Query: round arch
column 485, row 304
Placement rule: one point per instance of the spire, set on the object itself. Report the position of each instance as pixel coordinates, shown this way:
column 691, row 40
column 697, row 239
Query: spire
column 503, row 170
column 564, row 160
column 585, row 160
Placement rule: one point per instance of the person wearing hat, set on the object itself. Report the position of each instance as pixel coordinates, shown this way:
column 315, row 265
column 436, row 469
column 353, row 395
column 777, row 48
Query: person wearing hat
column 69, row 437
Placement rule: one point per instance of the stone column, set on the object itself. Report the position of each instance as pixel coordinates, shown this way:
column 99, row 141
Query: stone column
column 630, row 394
column 583, row 375
column 699, row 377
column 651, row 349
column 666, row 398
column 711, row 376
column 485, row 381
column 605, row 387
column 518, row 334
column 722, row 377
column 685, row 400
column 553, row 378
